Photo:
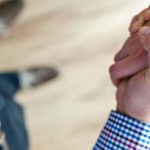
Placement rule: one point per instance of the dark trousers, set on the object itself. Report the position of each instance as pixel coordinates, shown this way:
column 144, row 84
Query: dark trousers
column 11, row 113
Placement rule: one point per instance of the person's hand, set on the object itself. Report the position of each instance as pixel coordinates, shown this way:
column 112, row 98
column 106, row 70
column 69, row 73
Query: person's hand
column 139, row 20
column 131, row 75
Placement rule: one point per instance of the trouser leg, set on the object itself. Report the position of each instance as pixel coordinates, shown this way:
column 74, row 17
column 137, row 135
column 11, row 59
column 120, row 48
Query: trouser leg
column 13, row 125
column 9, row 84
column 11, row 114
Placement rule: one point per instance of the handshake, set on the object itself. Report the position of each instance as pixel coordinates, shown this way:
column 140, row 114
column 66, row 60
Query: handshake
column 131, row 71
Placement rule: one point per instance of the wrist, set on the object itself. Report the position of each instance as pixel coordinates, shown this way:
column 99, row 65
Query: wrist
column 138, row 115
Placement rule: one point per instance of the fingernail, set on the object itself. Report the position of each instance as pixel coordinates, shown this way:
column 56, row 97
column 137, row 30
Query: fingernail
column 138, row 24
column 147, row 15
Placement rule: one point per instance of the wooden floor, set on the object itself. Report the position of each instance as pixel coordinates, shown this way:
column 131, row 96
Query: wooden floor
column 80, row 37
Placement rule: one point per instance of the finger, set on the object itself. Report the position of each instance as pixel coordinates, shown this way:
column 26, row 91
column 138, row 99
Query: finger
column 136, row 24
column 146, row 15
column 124, row 52
column 139, row 20
column 131, row 47
column 144, row 36
column 128, row 67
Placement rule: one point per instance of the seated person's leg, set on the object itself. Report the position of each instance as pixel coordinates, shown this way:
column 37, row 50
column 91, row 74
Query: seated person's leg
column 9, row 84
column 13, row 126
column 11, row 114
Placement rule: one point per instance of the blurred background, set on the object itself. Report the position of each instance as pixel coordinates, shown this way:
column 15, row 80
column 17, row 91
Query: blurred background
column 80, row 38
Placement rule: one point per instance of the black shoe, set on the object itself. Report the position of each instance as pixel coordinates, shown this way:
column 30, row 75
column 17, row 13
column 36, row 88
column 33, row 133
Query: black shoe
column 36, row 76
column 9, row 10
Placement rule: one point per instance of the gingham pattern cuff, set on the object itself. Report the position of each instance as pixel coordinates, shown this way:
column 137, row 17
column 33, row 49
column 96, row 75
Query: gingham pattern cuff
column 122, row 132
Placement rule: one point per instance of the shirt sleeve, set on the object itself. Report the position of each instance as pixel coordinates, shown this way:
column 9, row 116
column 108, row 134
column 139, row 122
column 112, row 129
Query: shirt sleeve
column 122, row 132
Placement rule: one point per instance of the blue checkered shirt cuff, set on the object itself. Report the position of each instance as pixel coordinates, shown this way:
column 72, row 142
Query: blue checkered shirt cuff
column 122, row 132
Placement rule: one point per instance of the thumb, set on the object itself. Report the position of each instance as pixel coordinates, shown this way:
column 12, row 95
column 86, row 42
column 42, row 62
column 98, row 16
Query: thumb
column 139, row 20
column 144, row 37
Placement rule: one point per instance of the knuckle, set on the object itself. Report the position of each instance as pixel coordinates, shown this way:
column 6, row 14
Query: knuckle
column 112, row 71
column 114, row 74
